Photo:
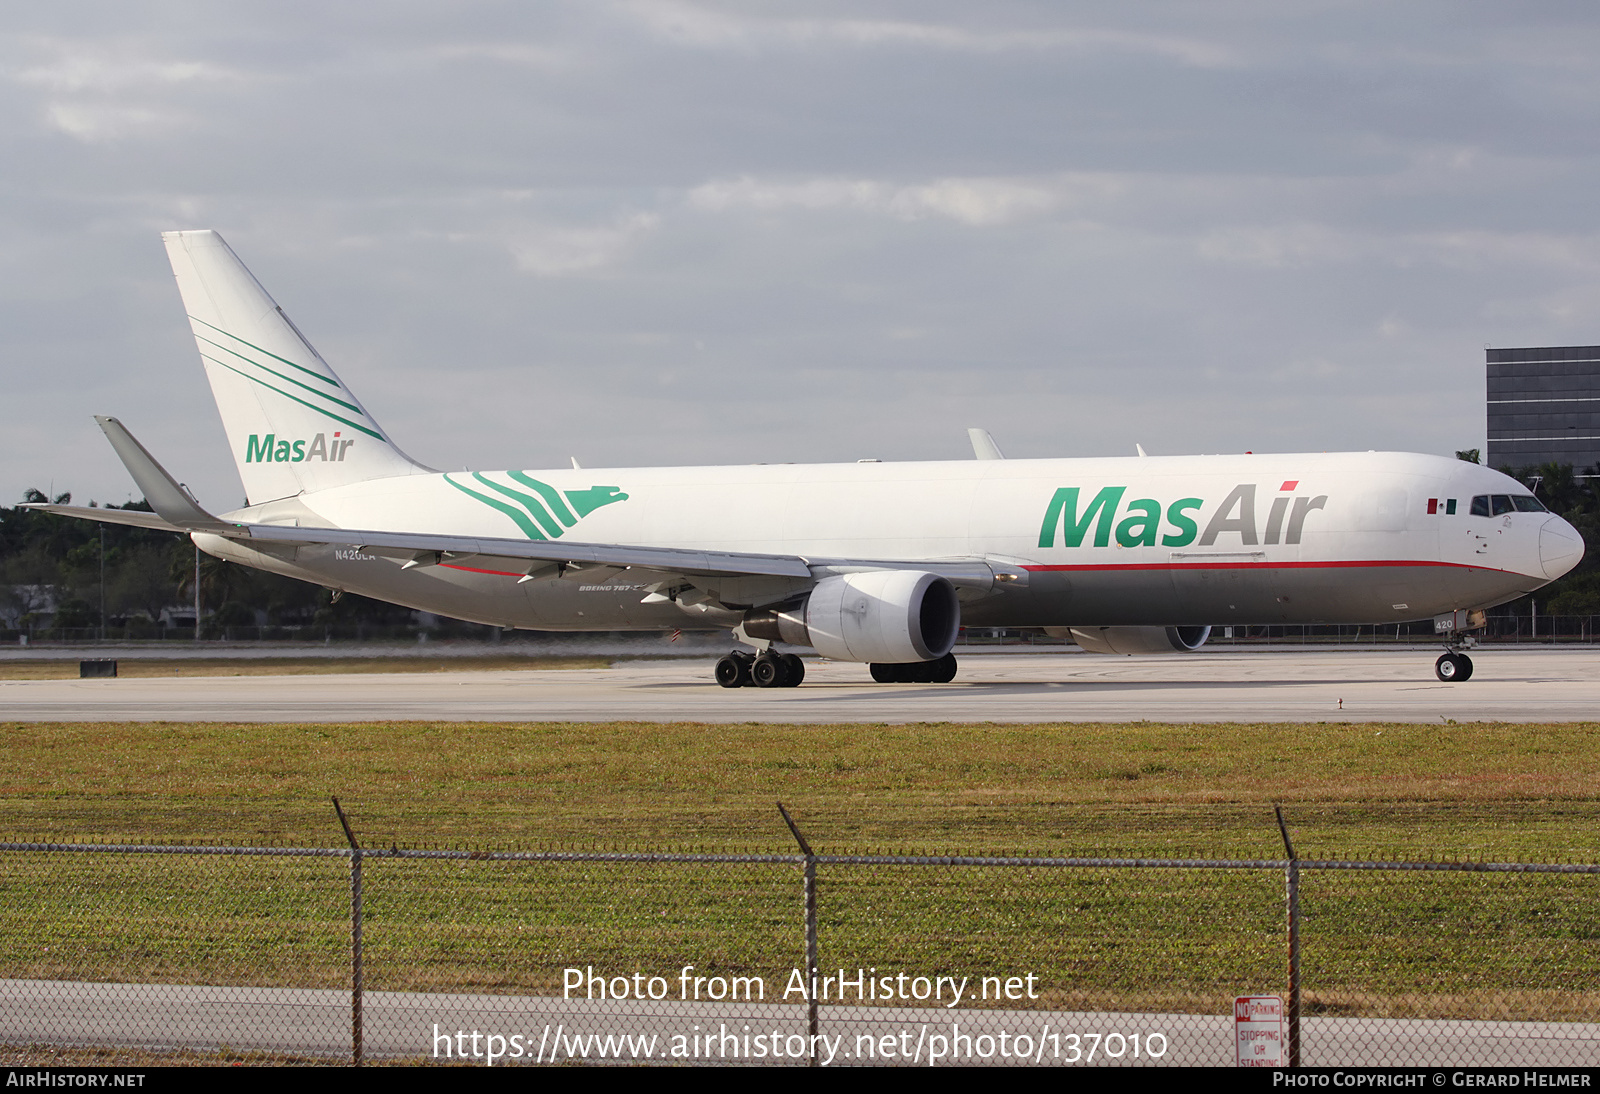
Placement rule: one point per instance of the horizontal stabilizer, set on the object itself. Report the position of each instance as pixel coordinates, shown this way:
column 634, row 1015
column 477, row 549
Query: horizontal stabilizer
column 135, row 518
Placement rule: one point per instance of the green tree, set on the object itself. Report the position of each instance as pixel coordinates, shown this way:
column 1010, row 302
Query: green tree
column 1574, row 498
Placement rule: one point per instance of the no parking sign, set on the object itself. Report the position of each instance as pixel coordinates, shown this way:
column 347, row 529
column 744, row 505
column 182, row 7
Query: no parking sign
column 1258, row 1030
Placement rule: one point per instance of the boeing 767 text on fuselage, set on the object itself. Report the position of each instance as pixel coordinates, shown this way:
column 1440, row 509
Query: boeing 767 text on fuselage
column 878, row 563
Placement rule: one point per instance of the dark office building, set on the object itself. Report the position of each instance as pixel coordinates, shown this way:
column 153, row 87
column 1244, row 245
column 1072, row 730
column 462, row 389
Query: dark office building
column 1544, row 407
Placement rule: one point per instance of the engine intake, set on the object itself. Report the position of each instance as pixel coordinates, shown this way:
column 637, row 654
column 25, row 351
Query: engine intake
column 893, row 616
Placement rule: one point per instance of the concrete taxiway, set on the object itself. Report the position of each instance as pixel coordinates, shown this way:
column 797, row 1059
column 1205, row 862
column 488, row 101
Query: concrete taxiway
column 1522, row 684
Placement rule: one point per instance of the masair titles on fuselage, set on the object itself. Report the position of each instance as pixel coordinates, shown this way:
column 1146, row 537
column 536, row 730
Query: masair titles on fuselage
column 1237, row 513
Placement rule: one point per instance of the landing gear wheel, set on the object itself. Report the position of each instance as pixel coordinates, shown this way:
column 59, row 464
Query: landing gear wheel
column 1453, row 668
column 797, row 670
column 770, row 670
column 941, row 670
column 733, row 670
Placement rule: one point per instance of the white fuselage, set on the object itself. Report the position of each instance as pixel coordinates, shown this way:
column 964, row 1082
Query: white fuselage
column 1330, row 537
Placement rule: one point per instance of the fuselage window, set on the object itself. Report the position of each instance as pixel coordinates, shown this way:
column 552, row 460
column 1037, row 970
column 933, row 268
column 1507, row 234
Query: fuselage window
column 1480, row 505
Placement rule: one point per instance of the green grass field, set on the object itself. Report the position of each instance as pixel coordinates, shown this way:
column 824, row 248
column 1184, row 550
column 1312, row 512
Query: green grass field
column 1464, row 945
column 1472, row 790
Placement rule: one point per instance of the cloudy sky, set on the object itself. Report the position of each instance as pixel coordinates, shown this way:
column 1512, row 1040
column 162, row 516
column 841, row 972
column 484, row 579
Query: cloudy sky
column 664, row 231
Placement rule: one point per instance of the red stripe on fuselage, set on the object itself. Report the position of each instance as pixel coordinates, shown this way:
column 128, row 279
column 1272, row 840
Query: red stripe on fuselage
column 1040, row 567
column 475, row 570
column 1332, row 565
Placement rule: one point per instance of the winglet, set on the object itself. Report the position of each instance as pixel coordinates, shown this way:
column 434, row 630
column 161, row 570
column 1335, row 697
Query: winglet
column 170, row 501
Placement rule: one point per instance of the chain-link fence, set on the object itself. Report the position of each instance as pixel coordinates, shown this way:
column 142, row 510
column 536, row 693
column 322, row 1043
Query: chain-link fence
column 1474, row 964
column 117, row 952
column 169, row 950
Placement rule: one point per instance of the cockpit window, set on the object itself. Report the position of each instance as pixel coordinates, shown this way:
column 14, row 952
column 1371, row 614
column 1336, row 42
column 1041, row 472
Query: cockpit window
column 1499, row 504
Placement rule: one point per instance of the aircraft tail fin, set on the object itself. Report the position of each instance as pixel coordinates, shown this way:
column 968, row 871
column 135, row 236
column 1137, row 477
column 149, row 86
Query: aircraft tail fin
column 293, row 425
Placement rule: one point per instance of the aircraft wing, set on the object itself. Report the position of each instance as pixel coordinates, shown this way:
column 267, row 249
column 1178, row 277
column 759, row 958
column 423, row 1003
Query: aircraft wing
column 402, row 544
column 427, row 549
column 449, row 548
column 177, row 511
column 419, row 546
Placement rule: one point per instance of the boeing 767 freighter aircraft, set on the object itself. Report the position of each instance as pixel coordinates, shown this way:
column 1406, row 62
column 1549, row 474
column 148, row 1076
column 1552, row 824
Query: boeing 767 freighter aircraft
column 878, row 563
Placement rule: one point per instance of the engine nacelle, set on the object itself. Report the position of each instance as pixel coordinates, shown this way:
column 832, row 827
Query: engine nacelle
column 1128, row 640
column 882, row 616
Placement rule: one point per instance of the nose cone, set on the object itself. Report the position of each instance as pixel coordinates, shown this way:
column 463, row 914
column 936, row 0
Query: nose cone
column 1560, row 547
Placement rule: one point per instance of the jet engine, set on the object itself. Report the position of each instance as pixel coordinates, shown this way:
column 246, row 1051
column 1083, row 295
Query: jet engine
column 1127, row 640
column 887, row 616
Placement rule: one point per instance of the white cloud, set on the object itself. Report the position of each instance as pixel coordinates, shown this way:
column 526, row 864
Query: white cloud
column 555, row 251
column 100, row 122
column 976, row 202
column 1303, row 244
column 1568, row 311
column 1275, row 246
column 971, row 201
column 79, row 67
column 1486, row 250
column 692, row 24
column 543, row 58
column 102, row 92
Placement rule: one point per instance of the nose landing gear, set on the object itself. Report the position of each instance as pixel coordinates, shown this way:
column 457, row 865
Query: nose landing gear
column 1454, row 666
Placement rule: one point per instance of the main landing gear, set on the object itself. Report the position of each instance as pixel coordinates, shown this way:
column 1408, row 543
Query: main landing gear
column 1453, row 668
column 941, row 671
column 771, row 669
column 765, row 670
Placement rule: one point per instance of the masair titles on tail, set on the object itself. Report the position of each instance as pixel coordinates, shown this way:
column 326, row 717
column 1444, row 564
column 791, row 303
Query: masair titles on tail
column 876, row 563
column 292, row 424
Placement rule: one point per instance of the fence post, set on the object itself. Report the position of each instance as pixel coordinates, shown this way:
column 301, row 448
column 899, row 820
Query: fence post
column 355, row 937
column 811, row 932
column 1291, row 876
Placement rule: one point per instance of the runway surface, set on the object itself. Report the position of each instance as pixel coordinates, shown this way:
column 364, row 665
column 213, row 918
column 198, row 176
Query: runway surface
column 1521, row 684
column 316, row 1022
